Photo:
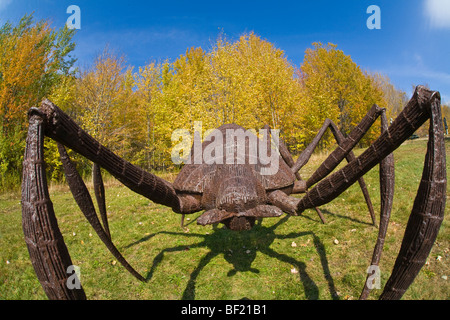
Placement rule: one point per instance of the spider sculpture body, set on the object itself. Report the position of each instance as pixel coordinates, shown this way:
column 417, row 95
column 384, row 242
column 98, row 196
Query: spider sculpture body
column 240, row 188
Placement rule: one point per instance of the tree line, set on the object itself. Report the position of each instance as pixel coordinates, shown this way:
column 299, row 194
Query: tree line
column 133, row 112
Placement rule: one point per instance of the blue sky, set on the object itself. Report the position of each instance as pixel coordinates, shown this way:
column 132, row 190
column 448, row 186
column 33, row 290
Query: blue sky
column 412, row 47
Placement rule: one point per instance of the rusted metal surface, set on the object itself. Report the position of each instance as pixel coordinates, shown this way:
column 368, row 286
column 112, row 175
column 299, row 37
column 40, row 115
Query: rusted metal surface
column 61, row 128
column 84, row 201
column 387, row 182
column 99, row 190
column 429, row 206
column 48, row 252
column 237, row 193
column 197, row 177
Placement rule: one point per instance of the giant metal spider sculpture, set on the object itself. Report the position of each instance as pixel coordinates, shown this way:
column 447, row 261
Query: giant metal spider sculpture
column 237, row 193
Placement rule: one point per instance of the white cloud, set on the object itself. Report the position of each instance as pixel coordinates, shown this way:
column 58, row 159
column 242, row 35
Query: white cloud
column 438, row 13
column 4, row 4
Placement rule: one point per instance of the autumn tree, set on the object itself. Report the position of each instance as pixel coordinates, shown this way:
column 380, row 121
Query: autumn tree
column 395, row 99
column 148, row 84
column 335, row 87
column 248, row 82
column 104, row 102
column 34, row 57
column 253, row 83
column 171, row 96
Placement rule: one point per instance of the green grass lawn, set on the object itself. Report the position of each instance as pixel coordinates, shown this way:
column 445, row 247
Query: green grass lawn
column 280, row 258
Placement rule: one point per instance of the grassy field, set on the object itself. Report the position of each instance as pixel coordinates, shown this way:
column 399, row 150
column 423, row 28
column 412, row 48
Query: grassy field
column 287, row 258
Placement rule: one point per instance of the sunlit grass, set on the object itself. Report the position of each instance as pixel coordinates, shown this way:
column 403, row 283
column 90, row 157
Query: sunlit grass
column 287, row 258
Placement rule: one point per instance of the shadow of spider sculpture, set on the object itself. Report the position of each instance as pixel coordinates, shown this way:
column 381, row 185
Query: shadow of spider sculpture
column 240, row 250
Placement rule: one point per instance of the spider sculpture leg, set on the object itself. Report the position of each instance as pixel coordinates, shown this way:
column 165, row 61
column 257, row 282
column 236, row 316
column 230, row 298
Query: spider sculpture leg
column 387, row 181
column 86, row 205
column 300, row 184
column 428, row 209
column 48, row 252
column 344, row 150
column 99, row 190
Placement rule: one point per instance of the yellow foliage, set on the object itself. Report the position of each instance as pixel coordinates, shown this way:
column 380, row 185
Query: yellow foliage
column 34, row 63
column 33, row 58
column 22, row 64
column 335, row 87
column 249, row 82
